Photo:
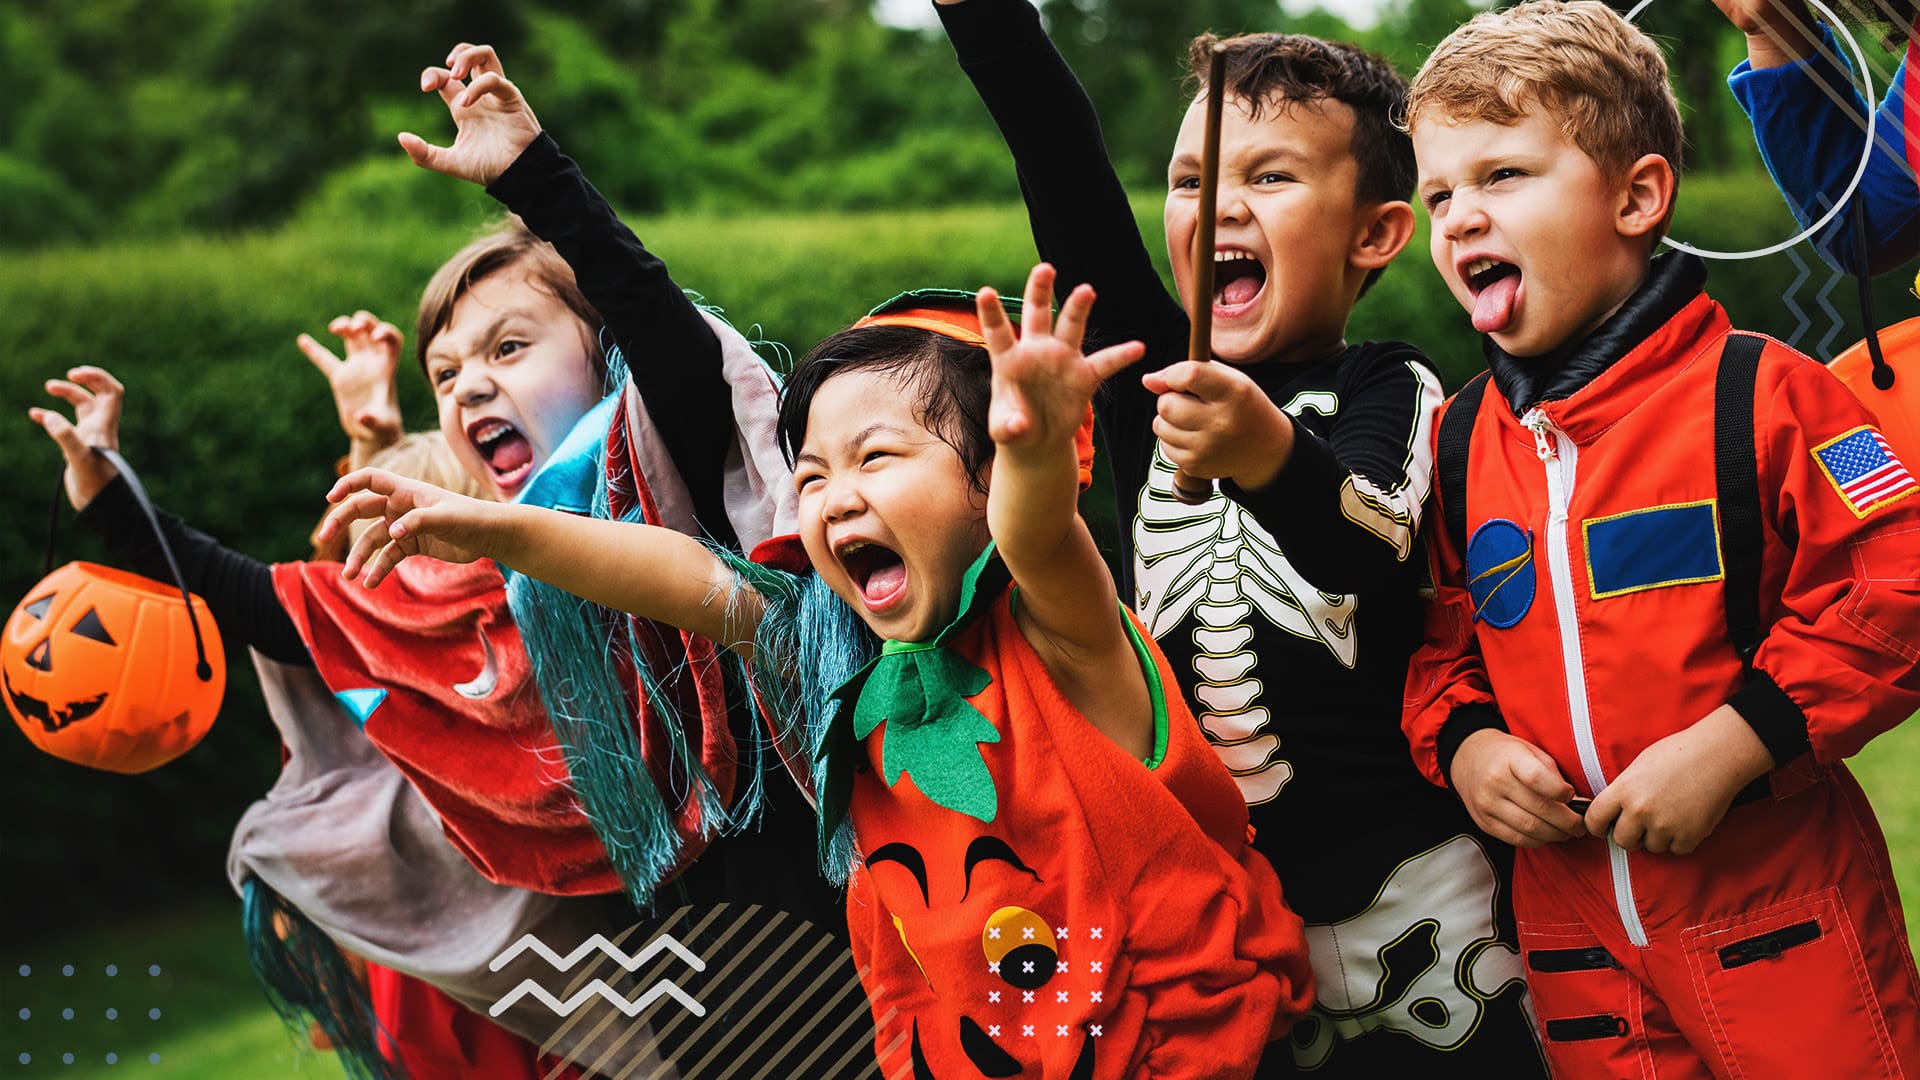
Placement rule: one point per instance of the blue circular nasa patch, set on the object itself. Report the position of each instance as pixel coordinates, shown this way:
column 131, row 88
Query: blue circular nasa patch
column 1500, row 572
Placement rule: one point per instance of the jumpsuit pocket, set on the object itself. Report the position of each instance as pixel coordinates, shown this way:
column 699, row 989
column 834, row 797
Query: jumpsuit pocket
column 1786, row 992
column 1587, row 1004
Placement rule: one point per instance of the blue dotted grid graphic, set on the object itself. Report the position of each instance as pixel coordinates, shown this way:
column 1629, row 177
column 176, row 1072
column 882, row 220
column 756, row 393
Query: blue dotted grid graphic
column 68, row 1057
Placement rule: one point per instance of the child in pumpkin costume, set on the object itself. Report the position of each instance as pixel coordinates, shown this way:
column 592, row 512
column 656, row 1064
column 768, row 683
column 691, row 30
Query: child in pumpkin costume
column 1054, row 874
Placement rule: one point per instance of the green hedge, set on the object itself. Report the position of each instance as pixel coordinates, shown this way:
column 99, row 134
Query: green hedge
column 235, row 432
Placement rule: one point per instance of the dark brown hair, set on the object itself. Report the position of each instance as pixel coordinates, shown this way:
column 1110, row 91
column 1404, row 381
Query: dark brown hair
column 951, row 378
column 1277, row 71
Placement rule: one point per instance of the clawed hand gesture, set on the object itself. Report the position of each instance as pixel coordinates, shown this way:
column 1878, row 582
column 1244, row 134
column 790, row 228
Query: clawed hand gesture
column 409, row 517
column 363, row 385
column 494, row 122
column 95, row 396
column 1042, row 382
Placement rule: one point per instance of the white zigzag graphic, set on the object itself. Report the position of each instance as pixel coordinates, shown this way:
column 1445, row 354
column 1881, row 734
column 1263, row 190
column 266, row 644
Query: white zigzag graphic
column 565, row 1008
column 612, row 951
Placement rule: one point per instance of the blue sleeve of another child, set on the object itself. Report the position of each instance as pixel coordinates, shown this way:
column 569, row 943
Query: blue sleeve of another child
column 1810, row 122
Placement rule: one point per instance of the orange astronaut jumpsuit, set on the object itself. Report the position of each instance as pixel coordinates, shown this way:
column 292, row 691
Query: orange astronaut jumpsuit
column 1588, row 615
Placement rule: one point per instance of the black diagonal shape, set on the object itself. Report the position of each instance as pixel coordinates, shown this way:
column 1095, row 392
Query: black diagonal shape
column 38, row 608
column 992, row 847
column 89, row 627
column 908, row 856
column 30, row 708
column 984, row 1053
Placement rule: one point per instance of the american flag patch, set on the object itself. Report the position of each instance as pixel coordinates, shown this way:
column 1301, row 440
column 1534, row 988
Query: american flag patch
column 1864, row 471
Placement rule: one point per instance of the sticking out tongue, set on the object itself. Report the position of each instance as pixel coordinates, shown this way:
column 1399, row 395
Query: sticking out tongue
column 885, row 581
column 1493, row 308
column 510, row 452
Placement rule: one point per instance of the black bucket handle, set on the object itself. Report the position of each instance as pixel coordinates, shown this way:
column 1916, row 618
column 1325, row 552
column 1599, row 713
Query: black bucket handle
column 203, row 669
column 1883, row 377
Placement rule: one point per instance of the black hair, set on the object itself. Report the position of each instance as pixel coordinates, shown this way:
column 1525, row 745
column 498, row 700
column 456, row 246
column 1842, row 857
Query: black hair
column 952, row 378
column 1278, row 70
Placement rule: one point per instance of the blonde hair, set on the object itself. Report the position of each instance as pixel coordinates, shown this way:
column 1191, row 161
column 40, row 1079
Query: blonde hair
column 512, row 247
column 1598, row 74
column 422, row 455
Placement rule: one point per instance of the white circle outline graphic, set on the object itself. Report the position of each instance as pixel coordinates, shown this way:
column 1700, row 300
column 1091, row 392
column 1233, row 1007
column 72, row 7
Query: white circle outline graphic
column 1873, row 115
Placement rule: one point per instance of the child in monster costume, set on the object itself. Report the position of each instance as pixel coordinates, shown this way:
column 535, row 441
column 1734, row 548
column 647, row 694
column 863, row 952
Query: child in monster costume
column 1051, row 871
column 433, row 669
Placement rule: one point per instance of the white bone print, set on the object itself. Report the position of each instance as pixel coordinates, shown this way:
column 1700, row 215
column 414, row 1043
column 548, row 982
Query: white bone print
column 1216, row 563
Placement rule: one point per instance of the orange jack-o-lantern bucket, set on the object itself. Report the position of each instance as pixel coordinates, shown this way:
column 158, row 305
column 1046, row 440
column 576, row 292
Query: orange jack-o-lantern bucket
column 1894, row 396
column 110, row 669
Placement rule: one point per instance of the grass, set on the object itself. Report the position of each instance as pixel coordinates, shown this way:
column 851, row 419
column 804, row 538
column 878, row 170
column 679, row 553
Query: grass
column 1886, row 771
column 213, row 1022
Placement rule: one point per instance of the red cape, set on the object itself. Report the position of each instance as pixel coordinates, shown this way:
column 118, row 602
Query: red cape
column 433, row 664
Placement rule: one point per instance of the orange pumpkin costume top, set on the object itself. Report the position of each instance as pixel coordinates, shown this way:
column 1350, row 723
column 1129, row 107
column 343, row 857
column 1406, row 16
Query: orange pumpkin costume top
column 1032, row 898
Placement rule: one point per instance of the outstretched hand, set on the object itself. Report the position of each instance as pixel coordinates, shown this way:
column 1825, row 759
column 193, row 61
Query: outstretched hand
column 363, row 385
column 409, row 517
column 1042, row 382
column 95, row 396
column 494, row 122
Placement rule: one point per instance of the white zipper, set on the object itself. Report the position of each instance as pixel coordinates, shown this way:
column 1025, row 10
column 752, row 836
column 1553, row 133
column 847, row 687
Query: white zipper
column 1562, row 459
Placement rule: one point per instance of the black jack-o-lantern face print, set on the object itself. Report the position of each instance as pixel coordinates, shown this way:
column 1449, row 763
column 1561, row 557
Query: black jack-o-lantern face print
column 99, row 666
column 1019, row 951
column 56, row 715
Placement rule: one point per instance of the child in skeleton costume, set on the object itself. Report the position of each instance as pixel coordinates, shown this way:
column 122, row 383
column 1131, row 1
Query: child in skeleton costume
column 1288, row 602
column 1050, row 870
column 433, row 669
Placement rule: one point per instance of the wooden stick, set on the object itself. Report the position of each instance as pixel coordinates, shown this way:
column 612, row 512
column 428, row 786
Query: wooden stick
column 1193, row 490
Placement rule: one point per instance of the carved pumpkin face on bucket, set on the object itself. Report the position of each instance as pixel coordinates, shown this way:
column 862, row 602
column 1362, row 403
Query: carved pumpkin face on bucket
column 98, row 666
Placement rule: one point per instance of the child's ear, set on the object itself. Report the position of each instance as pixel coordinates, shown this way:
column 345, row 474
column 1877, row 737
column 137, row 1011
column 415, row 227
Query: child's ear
column 1645, row 196
column 1384, row 231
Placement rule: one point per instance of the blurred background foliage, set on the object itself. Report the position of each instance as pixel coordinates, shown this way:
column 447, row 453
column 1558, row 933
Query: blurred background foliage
column 187, row 184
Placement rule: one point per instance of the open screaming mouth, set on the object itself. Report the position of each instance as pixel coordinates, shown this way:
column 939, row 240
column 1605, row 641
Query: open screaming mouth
column 505, row 450
column 1238, row 280
column 876, row 570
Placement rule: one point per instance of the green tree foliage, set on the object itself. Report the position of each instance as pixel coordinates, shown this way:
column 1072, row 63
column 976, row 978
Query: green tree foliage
column 253, row 107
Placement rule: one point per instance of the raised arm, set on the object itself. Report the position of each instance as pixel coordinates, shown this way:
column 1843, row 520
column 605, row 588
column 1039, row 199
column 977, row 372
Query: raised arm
column 672, row 354
column 1042, row 388
column 651, row 572
column 1082, row 222
column 238, row 589
column 1810, row 122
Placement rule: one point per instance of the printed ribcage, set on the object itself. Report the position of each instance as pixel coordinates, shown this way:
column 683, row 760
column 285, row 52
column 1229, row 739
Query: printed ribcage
column 1215, row 564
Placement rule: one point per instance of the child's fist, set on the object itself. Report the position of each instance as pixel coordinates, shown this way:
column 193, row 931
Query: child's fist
column 1778, row 31
column 493, row 121
column 1673, row 795
column 95, row 396
column 1215, row 422
column 1513, row 790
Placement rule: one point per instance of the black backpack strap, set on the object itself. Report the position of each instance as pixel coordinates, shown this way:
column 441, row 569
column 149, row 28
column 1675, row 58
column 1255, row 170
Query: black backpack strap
column 1736, row 476
column 1450, row 458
